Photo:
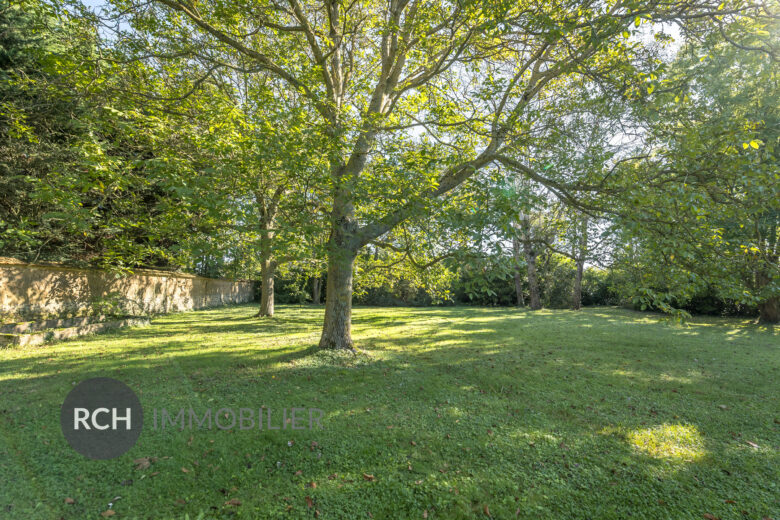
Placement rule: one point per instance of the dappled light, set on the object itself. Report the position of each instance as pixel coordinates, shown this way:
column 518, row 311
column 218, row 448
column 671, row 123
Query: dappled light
column 669, row 441
column 499, row 400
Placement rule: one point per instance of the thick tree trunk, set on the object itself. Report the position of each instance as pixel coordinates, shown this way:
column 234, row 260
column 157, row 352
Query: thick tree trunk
column 529, row 250
column 576, row 296
column 315, row 290
column 343, row 246
column 267, row 288
column 769, row 311
column 337, row 329
column 518, row 274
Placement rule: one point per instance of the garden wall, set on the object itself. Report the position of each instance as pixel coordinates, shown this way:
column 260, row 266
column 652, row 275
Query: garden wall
column 40, row 291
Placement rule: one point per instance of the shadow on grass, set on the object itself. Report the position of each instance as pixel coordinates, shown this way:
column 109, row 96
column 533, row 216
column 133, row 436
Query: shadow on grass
column 454, row 410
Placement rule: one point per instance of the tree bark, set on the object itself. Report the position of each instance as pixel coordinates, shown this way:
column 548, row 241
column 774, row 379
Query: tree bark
column 315, row 290
column 267, row 269
column 580, row 252
column 518, row 274
column 267, row 262
column 337, row 329
column 576, row 297
column 343, row 246
column 769, row 311
column 529, row 250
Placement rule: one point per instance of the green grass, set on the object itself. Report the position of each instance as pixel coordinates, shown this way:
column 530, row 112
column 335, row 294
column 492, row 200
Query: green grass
column 602, row 413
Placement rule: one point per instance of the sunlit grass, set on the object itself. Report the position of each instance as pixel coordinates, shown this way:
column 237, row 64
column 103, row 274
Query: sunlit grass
column 598, row 414
column 675, row 441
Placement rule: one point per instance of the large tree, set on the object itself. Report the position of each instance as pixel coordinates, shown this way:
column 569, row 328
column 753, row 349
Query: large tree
column 460, row 80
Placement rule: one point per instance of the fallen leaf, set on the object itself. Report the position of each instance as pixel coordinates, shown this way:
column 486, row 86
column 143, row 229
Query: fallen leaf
column 486, row 510
column 142, row 463
column 189, row 442
column 723, row 407
column 299, row 472
column 752, row 444
column 69, row 501
column 425, row 514
column 316, row 513
column 368, row 477
column 729, row 502
column 413, row 443
column 185, row 470
column 181, row 501
column 233, row 502
column 332, row 476
column 309, row 502
column 710, row 517
column 154, row 473
column 107, row 513
column 311, row 485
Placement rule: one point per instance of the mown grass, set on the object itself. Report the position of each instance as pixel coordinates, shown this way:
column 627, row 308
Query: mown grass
column 454, row 412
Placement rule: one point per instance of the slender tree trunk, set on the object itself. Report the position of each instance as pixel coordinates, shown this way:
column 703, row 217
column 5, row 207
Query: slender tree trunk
column 267, row 262
column 518, row 274
column 267, row 270
column 342, row 251
column 315, row 290
column 529, row 250
column 576, row 297
column 533, row 284
column 580, row 252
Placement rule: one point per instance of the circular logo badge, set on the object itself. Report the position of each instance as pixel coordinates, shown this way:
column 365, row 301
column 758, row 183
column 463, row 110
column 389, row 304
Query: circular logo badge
column 101, row 418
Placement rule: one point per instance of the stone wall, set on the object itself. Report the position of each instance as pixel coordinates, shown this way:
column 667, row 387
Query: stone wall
column 39, row 291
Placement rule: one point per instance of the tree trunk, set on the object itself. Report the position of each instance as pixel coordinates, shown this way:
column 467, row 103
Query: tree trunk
column 267, row 264
column 267, row 288
column 337, row 329
column 579, row 254
column 769, row 311
column 518, row 274
column 315, row 290
column 576, row 297
column 529, row 250
column 342, row 251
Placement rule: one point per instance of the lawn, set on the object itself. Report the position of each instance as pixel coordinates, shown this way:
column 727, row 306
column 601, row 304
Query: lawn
column 447, row 413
